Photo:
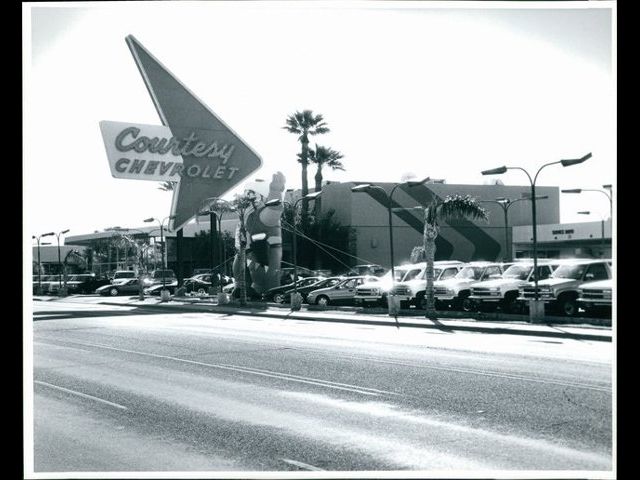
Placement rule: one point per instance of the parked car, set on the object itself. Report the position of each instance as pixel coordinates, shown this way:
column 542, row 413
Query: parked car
column 120, row 274
column 304, row 291
column 561, row 290
column 198, row 283
column 412, row 288
column 155, row 277
column 375, row 292
column 277, row 294
column 46, row 282
column 119, row 287
column 85, row 283
column 342, row 293
column 503, row 292
column 596, row 297
column 454, row 292
column 156, row 289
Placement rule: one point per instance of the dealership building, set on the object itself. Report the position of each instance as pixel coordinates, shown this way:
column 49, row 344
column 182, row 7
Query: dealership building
column 366, row 213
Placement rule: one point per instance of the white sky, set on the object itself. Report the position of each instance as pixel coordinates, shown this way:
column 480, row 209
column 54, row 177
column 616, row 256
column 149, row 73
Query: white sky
column 415, row 87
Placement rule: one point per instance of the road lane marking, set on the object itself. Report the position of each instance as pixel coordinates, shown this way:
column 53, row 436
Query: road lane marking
column 264, row 373
column 511, row 376
column 80, row 394
column 60, row 346
column 306, row 466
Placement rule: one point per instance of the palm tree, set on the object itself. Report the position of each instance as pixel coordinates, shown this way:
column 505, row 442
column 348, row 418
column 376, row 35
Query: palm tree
column 324, row 156
column 167, row 186
column 305, row 123
column 451, row 207
column 242, row 203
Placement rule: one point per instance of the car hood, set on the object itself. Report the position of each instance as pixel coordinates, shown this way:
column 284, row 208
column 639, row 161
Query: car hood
column 599, row 284
column 552, row 282
column 498, row 282
column 454, row 282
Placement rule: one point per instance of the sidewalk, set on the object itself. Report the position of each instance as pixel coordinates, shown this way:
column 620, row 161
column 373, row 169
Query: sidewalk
column 346, row 315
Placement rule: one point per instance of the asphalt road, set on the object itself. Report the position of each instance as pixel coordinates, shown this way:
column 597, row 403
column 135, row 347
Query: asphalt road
column 128, row 389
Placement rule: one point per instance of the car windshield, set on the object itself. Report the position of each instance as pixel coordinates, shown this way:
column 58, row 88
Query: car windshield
column 520, row 272
column 574, row 272
column 472, row 273
column 436, row 274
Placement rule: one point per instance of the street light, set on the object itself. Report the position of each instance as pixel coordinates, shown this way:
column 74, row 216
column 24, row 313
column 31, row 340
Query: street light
column 38, row 237
column 587, row 212
column 274, row 202
column 163, row 294
column 60, row 291
column 534, row 312
column 505, row 204
column 367, row 186
column 608, row 195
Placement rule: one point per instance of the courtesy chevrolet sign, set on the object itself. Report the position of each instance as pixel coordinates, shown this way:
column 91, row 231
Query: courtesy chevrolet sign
column 151, row 152
column 193, row 147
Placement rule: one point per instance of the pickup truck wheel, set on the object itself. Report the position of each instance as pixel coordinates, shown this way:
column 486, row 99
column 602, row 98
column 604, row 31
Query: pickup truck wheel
column 468, row 305
column 568, row 307
column 421, row 301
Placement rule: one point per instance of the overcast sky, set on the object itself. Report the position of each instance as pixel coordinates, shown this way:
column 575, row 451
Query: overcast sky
column 416, row 88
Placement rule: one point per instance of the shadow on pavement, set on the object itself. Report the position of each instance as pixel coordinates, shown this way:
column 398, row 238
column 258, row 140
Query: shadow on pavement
column 65, row 314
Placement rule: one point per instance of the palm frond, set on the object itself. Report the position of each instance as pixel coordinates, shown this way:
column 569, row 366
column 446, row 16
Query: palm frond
column 456, row 206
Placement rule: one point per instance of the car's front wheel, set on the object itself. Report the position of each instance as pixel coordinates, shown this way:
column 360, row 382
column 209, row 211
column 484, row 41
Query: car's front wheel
column 201, row 290
column 322, row 300
column 113, row 292
column 568, row 307
column 278, row 298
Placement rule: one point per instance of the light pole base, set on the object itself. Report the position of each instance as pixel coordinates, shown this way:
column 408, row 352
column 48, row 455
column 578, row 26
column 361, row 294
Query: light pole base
column 393, row 302
column 223, row 298
column 296, row 302
column 164, row 295
column 536, row 311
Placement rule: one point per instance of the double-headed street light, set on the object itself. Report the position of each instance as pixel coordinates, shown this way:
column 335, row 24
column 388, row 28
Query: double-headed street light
column 294, row 234
column 500, row 170
column 162, row 246
column 505, row 204
column 37, row 238
column 607, row 194
column 369, row 186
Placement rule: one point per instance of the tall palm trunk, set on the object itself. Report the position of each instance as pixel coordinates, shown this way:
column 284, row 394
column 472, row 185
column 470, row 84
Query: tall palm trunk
column 430, row 235
column 318, row 179
column 305, row 181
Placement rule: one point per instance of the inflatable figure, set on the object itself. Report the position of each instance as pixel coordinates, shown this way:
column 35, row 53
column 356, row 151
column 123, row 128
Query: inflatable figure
column 263, row 238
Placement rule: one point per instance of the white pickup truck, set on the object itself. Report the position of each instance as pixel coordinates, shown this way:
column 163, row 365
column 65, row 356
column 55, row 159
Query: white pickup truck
column 561, row 290
column 375, row 293
column 454, row 292
column 411, row 290
column 503, row 292
column 596, row 296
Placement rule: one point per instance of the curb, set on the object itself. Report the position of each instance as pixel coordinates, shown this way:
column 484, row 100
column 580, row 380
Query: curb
column 249, row 309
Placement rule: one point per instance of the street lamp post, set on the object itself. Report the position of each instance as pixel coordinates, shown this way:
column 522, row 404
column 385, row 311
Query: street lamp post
column 537, row 311
column 367, row 186
column 505, row 204
column 608, row 195
column 163, row 293
column 311, row 196
column 587, row 212
column 60, row 291
column 37, row 238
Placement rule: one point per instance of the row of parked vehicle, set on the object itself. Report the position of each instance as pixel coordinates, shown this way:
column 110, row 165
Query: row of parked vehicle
column 564, row 285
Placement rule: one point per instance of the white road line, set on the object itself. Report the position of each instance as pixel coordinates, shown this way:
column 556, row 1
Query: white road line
column 266, row 373
column 80, row 394
column 60, row 346
column 488, row 374
column 306, row 466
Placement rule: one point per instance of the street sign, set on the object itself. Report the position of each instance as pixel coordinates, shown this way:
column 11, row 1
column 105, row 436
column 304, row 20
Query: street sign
column 194, row 148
